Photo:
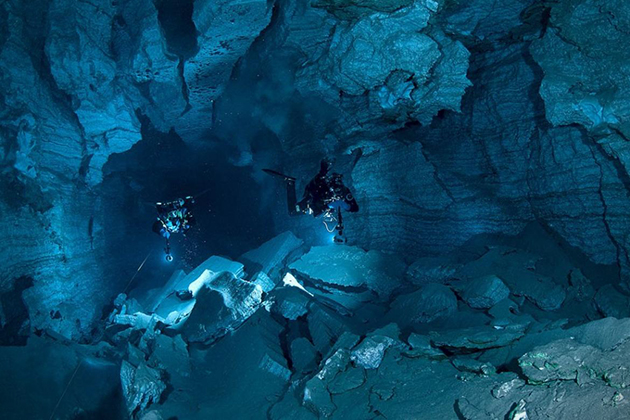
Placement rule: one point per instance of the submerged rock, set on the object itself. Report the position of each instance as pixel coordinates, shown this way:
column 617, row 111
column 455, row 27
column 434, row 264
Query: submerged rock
column 464, row 364
column 519, row 412
column 611, row 302
column 142, row 386
column 421, row 347
column 580, row 288
column 152, row 415
column 303, row 354
column 325, row 327
column 261, row 279
column 415, row 70
column 572, row 361
column 484, row 292
column 352, row 378
column 560, row 360
column 506, row 388
column 271, row 256
column 478, row 338
column 171, row 355
column 316, row 393
column 430, row 270
column 289, row 302
column 517, row 270
column 428, row 304
column 222, row 305
column 370, row 352
column 351, row 269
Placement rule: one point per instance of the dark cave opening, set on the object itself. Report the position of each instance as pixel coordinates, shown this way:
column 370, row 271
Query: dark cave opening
column 15, row 325
column 175, row 18
column 234, row 214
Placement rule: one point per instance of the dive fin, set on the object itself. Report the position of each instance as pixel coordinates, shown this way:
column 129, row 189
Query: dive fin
column 279, row 175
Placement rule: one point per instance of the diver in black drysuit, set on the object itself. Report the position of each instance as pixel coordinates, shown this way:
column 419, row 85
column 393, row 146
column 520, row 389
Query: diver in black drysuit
column 324, row 194
column 174, row 217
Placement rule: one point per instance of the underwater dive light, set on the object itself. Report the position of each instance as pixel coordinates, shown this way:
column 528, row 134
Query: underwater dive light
column 167, row 250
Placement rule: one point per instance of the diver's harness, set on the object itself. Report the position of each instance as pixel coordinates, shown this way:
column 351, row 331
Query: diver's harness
column 171, row 227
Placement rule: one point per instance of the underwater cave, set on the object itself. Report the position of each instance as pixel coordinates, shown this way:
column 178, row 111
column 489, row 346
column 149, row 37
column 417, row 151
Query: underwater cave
column 314, row 209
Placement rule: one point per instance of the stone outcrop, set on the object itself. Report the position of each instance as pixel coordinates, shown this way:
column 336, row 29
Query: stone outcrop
column 381, row 70
column 584, row 82
column 226, row 31
column 351, row 268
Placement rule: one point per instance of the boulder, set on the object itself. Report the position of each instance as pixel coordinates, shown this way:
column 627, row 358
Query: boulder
column 271, row 256
column 235, row 376
column 348, row 380
column 214, row 292
column 196, row 278
column 506, row 388
column 428, row 304
column 421, row 347
column 541, row 291
column 430, row 270
column 580, row 287
column 569, row 360
column 221, row 306
column 469, row 365
column 484, row 292
column 170, row 354
column 351, row 269
column 370, row 352
column 142, row 386
column 516, row 268
column 289, row 302
column 611, row 302
column 316, row 394
column 478, row 338
column 325, row 327
column 303, row 354
column 152, row 415
column 264, row 281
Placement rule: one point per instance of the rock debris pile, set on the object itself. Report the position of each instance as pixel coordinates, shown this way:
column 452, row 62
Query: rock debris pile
column 338, row 332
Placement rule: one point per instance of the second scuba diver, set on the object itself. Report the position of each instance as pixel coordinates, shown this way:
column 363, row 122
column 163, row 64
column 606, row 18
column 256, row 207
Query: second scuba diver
column 173, row 217
column 324, row 195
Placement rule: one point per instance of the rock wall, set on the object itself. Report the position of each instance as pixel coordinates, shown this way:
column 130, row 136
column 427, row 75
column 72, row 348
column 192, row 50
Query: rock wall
column 500, row 160
column 449, row 120
column 78, row 79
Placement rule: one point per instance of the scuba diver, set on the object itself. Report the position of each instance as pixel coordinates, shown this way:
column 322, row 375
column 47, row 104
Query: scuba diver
column 324, row 195
column 173, row 217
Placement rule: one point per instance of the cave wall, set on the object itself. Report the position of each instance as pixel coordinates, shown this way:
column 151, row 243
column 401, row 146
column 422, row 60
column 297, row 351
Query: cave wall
column 431, row 175
column 78, row 78
column 449, row 119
